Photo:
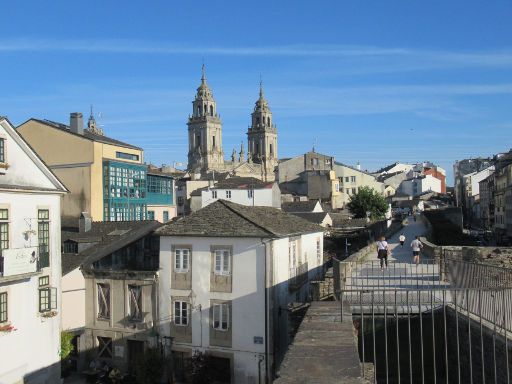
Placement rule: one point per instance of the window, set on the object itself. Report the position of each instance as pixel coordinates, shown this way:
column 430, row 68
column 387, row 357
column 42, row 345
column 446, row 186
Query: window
column 166, row 216
column 228, row 194
column 314, row 161
column 250, row 193
column 354, row 191
column 180, row 313
column 318, row 251
column 70, row 247
column 220, row 317
column 43, row 234
column 103, row 301
column 127, row 156
column 4, row 229
column 181, row 259
column 271, row 149
column 135, row 299
column 47, row 299
column 222, row 262
column 180, row 200
column 336, row 187
column 214, row 194
column 151, row 215
column 3, row 307
column 348, row 191
column 213, row 141
column 44, row 280
column 353, row 179
column 104, row 347
column 292, row 254
column 346, row 179
column 211, row 110
column 2, row 150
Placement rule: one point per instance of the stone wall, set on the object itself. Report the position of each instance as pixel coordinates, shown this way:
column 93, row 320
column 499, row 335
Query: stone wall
column 499, row 256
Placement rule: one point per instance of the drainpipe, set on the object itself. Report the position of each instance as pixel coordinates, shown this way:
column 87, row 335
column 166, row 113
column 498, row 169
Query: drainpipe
column 265, row 243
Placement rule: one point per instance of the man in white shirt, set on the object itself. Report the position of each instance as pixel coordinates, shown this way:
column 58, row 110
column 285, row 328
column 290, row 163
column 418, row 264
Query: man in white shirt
column 416, row 248
column 402, row 239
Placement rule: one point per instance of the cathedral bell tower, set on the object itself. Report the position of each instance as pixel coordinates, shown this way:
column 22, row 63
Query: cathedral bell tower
column 262, row 135
column 204, row 132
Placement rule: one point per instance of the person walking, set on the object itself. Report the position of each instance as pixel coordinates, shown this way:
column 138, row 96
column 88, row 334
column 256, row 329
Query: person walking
column 402, row 239
column 382, row 252
column 416, row 248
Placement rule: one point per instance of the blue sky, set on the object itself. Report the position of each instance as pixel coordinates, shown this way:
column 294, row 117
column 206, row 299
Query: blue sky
column 369, row 81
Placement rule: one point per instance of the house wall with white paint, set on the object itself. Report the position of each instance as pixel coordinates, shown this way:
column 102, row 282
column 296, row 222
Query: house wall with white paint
column 256, row 263
column 29, row 336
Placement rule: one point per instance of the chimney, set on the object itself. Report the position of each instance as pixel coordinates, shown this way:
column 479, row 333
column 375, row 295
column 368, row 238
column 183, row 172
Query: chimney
column 358, row 166
column 76, row 123
column 85, row 222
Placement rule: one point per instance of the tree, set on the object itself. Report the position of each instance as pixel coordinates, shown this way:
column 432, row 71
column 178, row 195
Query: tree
column 66, row 348
column 368, row 200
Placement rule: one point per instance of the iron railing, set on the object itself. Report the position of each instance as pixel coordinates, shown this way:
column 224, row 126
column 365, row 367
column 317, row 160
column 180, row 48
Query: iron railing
column 446, row 335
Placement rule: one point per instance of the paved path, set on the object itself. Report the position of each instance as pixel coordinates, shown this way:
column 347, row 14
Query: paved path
column 412, row 229
column 409, row 287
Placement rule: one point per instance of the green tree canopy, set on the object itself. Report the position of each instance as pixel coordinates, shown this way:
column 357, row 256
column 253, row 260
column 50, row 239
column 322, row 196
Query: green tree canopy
column 368, row 200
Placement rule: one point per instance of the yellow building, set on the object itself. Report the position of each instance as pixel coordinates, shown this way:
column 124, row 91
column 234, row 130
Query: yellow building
column 105, row 177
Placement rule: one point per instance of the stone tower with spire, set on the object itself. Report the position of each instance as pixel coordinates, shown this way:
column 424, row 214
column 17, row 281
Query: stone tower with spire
column 262, row 135
column 204, row 132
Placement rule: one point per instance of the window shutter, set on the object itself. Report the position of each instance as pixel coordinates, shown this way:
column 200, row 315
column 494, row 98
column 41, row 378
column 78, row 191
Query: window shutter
column 218, row 256
column 177, row 313
column 177, row 260
column 185, row 259
column 225, row 316
column 216, row 316
column 44, row 299
column 225, row 261
column 184, row 313
column 53, row 298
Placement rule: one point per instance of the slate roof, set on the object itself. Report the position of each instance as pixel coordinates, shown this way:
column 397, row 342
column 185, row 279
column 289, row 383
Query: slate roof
column 312, row 217
column 226, row 219
column 242, row 183
column 109, row 236
column 341, row 220
column 71, row 261
column 299, row 206
column 87, row 134
column 236, row 183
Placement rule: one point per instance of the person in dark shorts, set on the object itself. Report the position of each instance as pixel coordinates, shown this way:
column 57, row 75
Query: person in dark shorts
column 382, row 252
column 416, row 248
column 402, row 239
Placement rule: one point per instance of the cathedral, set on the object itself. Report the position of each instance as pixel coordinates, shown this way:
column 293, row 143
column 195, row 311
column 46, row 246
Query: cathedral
column 205, row 152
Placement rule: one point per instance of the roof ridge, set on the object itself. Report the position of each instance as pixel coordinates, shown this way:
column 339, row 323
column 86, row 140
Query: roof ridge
column 226, row 204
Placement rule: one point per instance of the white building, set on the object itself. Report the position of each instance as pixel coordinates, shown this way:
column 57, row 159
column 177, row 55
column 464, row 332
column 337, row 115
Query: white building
column 418, row 185
column 471, row 186
column 229, row 277
column 240, row 190
column 30, row 263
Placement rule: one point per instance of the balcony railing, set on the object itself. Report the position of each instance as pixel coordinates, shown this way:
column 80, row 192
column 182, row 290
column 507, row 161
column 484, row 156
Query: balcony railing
column 298, row 276
column 18, row 261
